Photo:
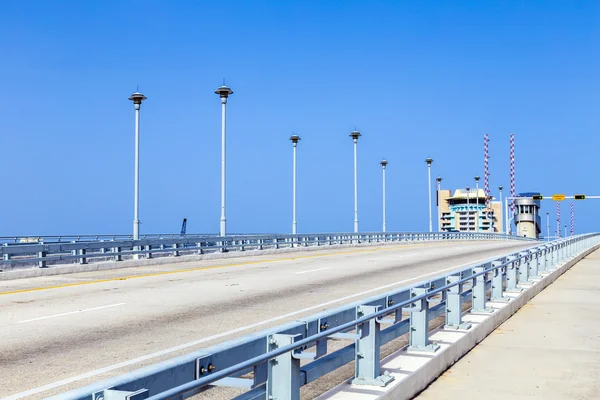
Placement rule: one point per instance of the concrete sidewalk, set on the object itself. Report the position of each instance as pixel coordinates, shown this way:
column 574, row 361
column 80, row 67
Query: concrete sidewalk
column 550, row 349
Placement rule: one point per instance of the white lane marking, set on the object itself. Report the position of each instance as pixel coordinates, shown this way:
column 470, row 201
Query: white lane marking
column 133, row 361
column 70, row 313
column 311, row 270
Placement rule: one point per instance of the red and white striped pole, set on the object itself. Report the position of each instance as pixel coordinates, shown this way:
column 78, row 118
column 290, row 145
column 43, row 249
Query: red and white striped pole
column 558, row 219
column 513, row 187
column 572, row 218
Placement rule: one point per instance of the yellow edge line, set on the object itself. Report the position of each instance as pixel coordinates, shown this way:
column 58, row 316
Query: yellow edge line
column 178, row 271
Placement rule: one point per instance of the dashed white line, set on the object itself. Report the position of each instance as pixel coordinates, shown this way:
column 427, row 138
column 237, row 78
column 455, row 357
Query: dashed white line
column 70, row 313
column 311, row 270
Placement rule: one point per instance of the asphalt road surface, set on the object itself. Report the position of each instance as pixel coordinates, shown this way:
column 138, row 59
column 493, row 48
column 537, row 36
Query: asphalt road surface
column 63, row 332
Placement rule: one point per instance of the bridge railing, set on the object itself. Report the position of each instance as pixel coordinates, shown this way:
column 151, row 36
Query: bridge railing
column 271, row 359
column 43, row 254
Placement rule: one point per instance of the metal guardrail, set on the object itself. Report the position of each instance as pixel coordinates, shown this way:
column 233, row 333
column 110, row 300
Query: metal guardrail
column 89, row 237
column 272, row 357
column 42, row 254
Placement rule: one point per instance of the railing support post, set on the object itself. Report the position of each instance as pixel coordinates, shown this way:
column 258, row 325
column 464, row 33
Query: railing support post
column 175, row 247
column 82, row 259
column 524, row 267
column 419, row 324
column 149, row 251
column 454, row 305
column 41, row 263
column 117, row 251
column 283, row 381
column 534, row 265
column 498, row 283
column 367, row 369
column 479, row 297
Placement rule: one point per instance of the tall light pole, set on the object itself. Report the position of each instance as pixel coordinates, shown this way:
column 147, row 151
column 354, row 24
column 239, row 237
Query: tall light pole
column 355, row 135
column 501, row 204
column 223, row 92
column 477, row 190
column 294, row 138
column 383, row 163
column 548, row 225
column 468, row 189
column 429, row 161
column 137, row 99
column 565, row 230
column 437, row 202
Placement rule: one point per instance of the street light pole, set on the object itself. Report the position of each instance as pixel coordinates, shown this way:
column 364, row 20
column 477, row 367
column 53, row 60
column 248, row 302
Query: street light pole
column 477, row 191
column 137, row 99
column 437, row 202
column 294, row 138
column 548, row 225
column 468, row 189
column 383, row 163
column 500, row 189
column 355, row 135
column 429, row 161
column 223, row 92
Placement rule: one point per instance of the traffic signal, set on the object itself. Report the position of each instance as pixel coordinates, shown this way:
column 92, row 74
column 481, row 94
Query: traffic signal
column 579, row 197
column 537, row 197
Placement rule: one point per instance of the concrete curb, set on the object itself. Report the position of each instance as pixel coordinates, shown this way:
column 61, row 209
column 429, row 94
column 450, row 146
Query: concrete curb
column 108, row 265
column 413, row 372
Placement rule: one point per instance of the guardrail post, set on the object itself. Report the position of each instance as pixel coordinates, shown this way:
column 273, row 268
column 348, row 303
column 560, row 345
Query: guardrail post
column 419, row 323
column 498, row 282
column 74, row 251
column 523, row 267
column 149, row 251
column 42, row 263
column 479, row 297
column 199, row 247
column 552, row 258
column 454, row 305
column 533, row 266
column 275, row 243
column 82, row 259
column 175, row 247
column 543, row 264
column 118, row 256
column 6, row 257
column 367, row 369
column 283, row 381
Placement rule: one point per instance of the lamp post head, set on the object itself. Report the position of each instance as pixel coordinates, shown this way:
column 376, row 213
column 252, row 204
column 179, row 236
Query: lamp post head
column 383, row 163
column 429, row 161
column 439, row 179
column 499, row 187
column 477, row 179
column 137, row 99
column 355, row 135
column 223, row 92
column 294, row 138
column 468, row 189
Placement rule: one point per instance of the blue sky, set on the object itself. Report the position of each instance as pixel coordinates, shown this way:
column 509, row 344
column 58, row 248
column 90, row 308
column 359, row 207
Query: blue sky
column 417, row 78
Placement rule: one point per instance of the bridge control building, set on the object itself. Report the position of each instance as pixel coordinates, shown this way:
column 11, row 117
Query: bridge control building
column 467, row 211
column 527, row 215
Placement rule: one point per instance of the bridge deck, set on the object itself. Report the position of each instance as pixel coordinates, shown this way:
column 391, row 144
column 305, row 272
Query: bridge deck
column 80, row 328
column 550, row 349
